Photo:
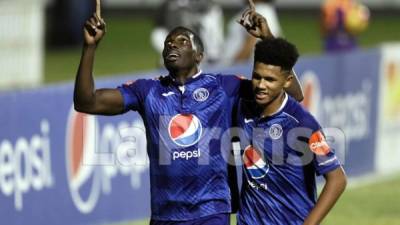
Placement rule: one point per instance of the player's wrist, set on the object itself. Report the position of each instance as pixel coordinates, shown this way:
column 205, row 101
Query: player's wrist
column 89, row 46
column 266, row 35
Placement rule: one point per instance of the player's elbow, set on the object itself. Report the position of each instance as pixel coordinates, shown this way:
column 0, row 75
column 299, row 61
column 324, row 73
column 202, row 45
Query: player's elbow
column 82, row 106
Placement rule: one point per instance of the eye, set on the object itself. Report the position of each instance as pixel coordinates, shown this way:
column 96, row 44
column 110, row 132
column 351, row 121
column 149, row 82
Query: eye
column 270, row 79
column 256, row 76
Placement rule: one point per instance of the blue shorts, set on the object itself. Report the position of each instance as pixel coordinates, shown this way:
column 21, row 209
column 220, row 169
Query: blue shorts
column 217, row 219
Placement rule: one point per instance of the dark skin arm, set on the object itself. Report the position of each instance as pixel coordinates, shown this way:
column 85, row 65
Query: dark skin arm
column 257, row 26
column 333, row 188
column 86, row 98
column 246, row 49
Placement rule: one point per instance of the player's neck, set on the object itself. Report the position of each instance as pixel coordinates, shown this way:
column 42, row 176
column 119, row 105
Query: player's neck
column 274, row 106
column 181, row 76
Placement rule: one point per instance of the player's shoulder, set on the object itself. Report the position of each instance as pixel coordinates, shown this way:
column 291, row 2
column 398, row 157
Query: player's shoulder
column 143, row 83
column 229, row 78
column 301, row 115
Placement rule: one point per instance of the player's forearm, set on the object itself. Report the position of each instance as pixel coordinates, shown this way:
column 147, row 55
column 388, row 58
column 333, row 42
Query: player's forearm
column 295, row 89
column 334, row 187
column 246, row 50
column 84, row 93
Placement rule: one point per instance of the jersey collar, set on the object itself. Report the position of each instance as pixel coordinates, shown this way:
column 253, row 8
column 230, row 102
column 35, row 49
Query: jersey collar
column 188, row 81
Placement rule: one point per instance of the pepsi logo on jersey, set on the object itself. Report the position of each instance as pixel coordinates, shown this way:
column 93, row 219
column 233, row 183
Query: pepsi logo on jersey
column 254, row 163
column 185, row 130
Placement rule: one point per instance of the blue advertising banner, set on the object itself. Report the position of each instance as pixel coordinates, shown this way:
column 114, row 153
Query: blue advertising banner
column 341, row 91
column 58, row 166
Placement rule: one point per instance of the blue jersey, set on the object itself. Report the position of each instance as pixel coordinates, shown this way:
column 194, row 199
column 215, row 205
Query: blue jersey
column 282, row 154
column 184, row 125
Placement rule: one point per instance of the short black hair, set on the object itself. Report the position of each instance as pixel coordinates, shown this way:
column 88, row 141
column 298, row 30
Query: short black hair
column 196, row 38
column 277, row 52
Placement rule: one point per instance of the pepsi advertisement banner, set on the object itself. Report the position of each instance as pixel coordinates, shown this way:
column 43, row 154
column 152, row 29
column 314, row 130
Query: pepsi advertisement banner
column 341, row 91
column 58, row 166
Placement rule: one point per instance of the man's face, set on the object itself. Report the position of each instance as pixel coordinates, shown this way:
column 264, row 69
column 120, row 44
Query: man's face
column 179, row 51
column 268, row 82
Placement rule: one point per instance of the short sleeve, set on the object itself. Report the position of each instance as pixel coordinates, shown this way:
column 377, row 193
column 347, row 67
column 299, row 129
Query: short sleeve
column 235, row 86
column 325, row 159
column 134, row 93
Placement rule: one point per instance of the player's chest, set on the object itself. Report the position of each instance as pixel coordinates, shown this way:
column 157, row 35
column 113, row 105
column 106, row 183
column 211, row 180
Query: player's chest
column 208, row 98
column 270, row 136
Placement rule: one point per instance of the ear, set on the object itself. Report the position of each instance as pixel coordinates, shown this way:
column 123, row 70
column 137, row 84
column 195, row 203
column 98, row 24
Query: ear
column 288, row 81
column 199, row 57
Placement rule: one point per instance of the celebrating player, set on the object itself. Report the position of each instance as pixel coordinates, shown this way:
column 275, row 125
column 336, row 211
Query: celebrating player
column 284, row 146
column 185, row 113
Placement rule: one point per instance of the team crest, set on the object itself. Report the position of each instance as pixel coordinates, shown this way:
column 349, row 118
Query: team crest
column 275, row 131
column 185, row 129
column 201, row 94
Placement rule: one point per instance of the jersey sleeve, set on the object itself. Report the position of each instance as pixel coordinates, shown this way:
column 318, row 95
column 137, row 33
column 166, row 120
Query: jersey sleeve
column 134, row 93
column 324, row 157
column 235, row 86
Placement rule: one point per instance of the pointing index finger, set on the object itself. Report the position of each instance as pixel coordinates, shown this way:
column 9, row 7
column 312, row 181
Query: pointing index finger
column 252, row 6
column 98, row 8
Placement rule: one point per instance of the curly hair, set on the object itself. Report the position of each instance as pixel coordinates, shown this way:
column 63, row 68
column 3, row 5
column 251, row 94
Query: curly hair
column 277, row 52
column 196, row 38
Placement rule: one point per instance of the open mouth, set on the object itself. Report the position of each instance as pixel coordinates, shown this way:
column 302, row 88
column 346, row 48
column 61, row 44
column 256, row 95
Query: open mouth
column 260, row 95
column 172, row 56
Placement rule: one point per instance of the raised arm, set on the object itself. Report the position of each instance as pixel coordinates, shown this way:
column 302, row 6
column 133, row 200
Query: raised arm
column 86, row 98
column 334, row 187
column 257, row 26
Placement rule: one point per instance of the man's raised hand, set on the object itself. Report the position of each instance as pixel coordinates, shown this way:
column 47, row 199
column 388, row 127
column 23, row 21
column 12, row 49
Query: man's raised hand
column 95, row 27
column 254, row 23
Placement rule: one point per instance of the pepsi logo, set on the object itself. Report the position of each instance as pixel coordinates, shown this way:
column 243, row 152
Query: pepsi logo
column 80, row 146
column 254, row 163
column 96, row 154
column 185, row 129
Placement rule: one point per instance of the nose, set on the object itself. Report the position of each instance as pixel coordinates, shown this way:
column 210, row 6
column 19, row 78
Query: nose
column 261, row 84
column 172, row 45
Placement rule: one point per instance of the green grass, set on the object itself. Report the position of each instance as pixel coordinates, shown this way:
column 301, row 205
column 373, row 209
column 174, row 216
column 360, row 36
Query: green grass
column 373, row 204
column 377, row 204
column 126, row 47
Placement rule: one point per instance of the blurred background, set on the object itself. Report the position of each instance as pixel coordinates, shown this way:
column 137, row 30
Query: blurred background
column 349, row 69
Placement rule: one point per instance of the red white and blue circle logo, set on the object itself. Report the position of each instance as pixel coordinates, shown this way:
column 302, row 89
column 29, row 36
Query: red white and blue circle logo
column 185, row 129
column 254, row 163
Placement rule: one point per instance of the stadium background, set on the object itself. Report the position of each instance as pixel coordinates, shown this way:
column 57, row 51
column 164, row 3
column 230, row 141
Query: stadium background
column 372, row 198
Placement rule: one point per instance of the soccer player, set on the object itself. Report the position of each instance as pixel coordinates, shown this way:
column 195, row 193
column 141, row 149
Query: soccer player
column 284, row 148
column 186, row 114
